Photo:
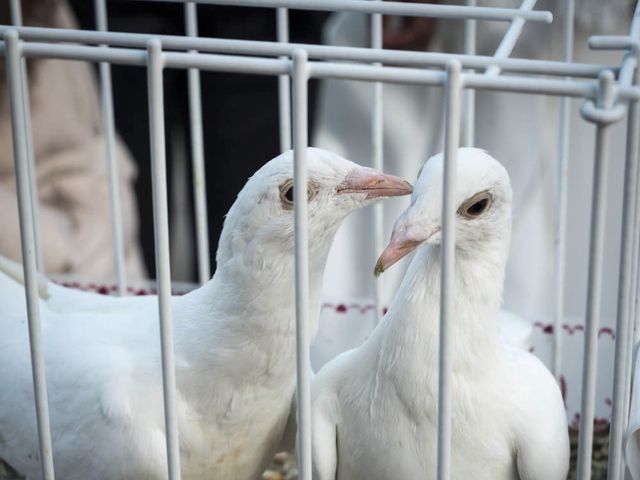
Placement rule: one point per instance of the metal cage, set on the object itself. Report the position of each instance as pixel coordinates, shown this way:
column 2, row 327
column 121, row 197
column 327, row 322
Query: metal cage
column 609, row 93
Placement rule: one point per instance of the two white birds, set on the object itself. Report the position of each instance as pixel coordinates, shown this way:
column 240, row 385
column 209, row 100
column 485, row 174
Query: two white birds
column 234, row 345
column 375, row 407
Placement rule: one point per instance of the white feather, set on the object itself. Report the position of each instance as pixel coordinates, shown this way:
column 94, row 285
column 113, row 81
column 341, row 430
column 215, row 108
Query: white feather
column 375, row 407
column 234, row 349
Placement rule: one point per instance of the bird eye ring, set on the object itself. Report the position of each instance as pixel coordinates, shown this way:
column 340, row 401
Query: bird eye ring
column 286, row 193
column 476, row 205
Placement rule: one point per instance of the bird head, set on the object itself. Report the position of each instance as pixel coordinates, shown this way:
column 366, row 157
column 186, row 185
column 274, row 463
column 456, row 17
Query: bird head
column 483, row 207
column 263, row 214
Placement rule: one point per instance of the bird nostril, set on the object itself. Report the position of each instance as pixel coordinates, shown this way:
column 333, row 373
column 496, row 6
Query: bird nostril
column 374, row 183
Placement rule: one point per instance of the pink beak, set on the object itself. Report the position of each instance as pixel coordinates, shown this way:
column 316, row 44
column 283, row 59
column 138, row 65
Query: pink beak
column 398, row 248
column 374, row 183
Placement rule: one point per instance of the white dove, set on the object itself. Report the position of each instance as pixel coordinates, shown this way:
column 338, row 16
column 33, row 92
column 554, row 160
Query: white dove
column 234, row 345
column 375, row 407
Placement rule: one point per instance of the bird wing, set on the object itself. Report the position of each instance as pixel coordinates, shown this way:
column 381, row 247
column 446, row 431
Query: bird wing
column 542, row 439
column 64, row 299
column 58, row 298
column 288, row 440
column 12, row 299
column 324, row 437
column 91, row 360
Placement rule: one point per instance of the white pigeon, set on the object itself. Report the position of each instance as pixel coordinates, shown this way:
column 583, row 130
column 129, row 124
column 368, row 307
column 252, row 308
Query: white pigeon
column 375, row 407
column 234, row 345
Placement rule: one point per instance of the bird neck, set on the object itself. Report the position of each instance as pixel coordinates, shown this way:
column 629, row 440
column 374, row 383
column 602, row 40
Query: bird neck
column 248, row 306
column 236, row 333
column 411, row 334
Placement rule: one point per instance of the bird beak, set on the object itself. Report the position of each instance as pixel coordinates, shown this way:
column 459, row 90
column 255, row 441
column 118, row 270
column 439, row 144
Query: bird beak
column 399, row 247
column 374, row 183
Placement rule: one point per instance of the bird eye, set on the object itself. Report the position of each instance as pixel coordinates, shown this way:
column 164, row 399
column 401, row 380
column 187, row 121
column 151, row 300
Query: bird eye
column 476, row 205
column 286, row 193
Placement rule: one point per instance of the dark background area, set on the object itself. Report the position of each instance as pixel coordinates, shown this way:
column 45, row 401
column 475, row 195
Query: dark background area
column 240, row 112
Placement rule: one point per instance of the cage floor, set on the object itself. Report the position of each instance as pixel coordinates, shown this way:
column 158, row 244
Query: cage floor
column 283, row 466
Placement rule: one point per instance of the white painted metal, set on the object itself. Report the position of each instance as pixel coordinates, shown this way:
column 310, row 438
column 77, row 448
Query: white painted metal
column 300, row 76
column 599, row 114
column 387, row 8
column 203, row 246
column 469, row 118
column 511, row 37
column 16, row 13
column 377, row 157
column 248, row 57
column 623, row 331
column 16, row 20
column 453, row 100
column 248, row 47
column 562, row 182
column 15, row 84
column 163, row 270
column 106, row 96
column 284, row 85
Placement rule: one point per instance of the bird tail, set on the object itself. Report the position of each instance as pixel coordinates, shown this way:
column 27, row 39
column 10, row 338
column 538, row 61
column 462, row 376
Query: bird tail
column 15, row 271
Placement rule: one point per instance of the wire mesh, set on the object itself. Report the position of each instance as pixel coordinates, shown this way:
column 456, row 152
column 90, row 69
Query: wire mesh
column 197, row 154
column 605, row 100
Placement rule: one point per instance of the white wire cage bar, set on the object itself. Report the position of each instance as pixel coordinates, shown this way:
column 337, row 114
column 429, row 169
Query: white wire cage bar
column 264, row 48
column 300, row 78
column 606, row 101
column 284, row 86
column 624, row 322
column 511, row 36
column 561, row 193
column 470, row 34
column 245, row 64
column 155, row 67
column 596, row 247
column 377, row 159
column 197, row 154
column 386, row 8
column 633, row 150
column 453, row 100
column 106, row 97
column 16, row 19
column 28, row 244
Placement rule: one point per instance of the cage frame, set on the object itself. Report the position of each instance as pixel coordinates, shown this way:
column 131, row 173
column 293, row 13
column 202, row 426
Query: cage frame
column 607, row 100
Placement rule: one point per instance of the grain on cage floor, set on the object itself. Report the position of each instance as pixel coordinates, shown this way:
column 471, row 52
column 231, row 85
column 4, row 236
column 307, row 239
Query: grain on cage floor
column 7, row 473
column 600, row 454
column 284, row 467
